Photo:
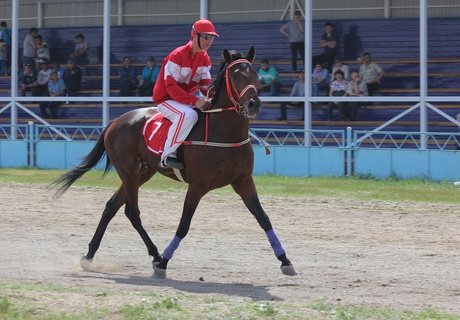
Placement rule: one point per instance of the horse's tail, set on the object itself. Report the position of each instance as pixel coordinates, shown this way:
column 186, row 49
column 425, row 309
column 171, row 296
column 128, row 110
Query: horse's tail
column 90, row 161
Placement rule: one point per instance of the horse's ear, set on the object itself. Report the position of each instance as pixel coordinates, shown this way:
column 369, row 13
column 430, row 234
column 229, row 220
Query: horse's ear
column 227, row 56
column 251, row 54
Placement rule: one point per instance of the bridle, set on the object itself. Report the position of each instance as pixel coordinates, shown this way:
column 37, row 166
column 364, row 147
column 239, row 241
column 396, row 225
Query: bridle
column 232, row 91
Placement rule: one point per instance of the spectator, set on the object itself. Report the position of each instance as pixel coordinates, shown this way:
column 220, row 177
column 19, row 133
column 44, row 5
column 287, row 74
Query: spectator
column 3, row 58
column 72, row 78
column 57, row 67
column 149, row 77
column 5, row 35
column 56, row 88
column 42, row 48
column 29, row 48
column 338, row 65
column 128, row 78
column 80, row 53
column 27, row 79
column 298, row 90
column 319, row 80
column 356, row 88
column 328, row 42
column 339, row 88
column 371, row 73
column 41, row 85
column 295, row 32
column 268, row 79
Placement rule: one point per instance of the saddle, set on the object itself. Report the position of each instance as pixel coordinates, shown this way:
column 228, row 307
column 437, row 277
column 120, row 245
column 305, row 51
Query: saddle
column 155, row 133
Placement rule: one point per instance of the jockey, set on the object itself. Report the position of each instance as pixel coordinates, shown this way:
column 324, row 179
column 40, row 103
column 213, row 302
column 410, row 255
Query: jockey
column 185, row 70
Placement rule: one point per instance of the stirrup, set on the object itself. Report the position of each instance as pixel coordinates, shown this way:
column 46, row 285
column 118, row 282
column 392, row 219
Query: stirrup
column 173, row 163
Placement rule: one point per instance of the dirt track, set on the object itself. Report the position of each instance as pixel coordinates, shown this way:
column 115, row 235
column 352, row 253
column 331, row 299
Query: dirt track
column 398, row 255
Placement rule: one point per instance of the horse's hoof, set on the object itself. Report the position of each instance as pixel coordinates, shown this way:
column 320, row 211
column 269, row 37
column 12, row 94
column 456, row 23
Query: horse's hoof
column 85, row 263
column 159, row 273
column 288, row 270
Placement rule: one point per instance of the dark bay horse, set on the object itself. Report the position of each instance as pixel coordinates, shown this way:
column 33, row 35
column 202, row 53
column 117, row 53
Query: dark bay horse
column 221, row 155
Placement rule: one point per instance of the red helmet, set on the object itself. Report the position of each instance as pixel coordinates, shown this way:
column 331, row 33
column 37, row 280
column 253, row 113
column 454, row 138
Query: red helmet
column 204, row 26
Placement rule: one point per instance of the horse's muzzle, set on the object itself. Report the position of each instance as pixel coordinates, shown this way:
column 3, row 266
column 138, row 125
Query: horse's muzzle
column 252, row 107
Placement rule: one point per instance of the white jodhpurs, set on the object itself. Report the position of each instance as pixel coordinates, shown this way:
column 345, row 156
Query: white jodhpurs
column 183, row 118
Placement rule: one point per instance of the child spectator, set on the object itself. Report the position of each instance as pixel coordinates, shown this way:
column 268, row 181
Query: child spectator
column 56, row 88
column 72, row 78
column 268, row 79
column 27, row 80
column 148, row 78
column 42, row 48
column 320, row 80
column 128, row 78
column 357, row 87
column 41, row 85
column 339, row 88
column 80, row 52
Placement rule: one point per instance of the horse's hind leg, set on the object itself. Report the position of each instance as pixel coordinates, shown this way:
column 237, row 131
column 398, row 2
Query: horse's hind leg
column 111, row 208
column 246, row 189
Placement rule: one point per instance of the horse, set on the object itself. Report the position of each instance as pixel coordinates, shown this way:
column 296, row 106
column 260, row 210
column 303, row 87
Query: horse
column 217, row 153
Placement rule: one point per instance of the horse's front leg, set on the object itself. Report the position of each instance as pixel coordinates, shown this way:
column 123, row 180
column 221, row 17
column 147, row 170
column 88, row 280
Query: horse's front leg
column 192, row 199
column 246, row 189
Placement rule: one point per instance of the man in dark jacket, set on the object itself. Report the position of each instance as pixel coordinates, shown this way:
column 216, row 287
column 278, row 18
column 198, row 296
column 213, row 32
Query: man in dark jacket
column 72, row 78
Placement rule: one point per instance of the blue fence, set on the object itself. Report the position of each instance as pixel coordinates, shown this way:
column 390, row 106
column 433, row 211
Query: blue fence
column 331, row 153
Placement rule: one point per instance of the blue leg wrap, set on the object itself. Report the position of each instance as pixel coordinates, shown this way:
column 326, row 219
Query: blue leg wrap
column 275, row 243
column 169, row 251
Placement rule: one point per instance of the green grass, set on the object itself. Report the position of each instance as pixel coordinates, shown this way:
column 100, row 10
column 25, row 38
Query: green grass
column 340, row 187
column 24, row 303
column 340, row 312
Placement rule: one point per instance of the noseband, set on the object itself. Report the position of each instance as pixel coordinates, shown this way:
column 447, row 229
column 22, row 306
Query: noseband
column 232, row 92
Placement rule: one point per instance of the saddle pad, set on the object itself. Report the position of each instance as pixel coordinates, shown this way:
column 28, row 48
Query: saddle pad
column 155, row 133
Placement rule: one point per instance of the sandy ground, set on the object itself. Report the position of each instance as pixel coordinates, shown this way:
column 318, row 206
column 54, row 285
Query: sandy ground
column 381, row 254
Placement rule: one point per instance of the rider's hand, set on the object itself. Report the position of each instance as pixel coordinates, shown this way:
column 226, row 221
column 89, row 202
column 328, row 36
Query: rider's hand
column 201, row 104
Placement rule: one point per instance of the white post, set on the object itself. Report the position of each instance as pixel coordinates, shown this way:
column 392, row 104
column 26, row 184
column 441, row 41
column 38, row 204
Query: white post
column 203, row 9
column 120, row 13
column 14, row 65
column 39, row 14
column 387, row 9
column 307, row 69
column 106, row 65
column 423, row 73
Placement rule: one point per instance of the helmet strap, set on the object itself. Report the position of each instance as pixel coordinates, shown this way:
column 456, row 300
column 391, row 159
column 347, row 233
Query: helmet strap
column 198, row 36
column 199, row 40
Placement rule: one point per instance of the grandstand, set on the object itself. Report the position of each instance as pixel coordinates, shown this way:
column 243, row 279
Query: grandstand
column 398, row 55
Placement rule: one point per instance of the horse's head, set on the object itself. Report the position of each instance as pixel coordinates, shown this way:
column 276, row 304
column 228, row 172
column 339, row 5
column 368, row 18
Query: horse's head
column 237, row 79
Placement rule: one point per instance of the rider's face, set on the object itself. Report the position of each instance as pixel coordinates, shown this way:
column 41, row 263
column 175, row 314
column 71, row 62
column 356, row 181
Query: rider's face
column 205, row 41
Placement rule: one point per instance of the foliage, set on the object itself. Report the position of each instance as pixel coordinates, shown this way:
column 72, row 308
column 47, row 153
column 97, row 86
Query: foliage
column 25, row 301
column 339, row 187
column 356, row 312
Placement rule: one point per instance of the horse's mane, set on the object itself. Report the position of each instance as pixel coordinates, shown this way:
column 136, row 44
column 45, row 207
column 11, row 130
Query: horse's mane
column 219, row 82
